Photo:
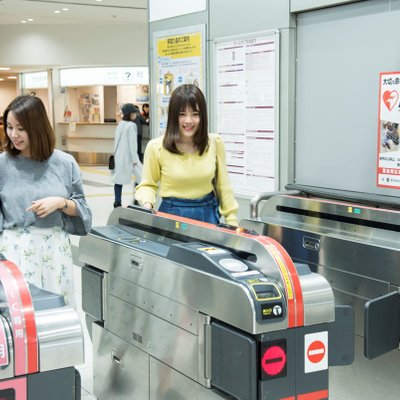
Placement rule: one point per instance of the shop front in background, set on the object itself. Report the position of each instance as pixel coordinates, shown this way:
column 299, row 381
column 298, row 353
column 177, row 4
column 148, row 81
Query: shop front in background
column 93, row 98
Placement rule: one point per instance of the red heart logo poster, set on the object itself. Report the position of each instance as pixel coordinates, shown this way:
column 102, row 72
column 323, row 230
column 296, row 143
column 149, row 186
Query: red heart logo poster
column 390, row 98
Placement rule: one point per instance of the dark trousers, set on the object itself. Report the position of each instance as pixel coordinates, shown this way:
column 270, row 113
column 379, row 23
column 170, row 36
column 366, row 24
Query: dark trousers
column 117, row 195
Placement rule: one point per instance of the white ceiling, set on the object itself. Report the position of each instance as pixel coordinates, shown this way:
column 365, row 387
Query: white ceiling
column 79, row 11
column 12, row 12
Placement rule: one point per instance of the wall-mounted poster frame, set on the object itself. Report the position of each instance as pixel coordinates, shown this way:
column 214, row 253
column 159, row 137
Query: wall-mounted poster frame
column 388, row 160
column 179, row 57
column 246, row 113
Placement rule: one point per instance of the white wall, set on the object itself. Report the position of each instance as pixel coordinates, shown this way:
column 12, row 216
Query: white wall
column 8, row 90
column 74, row 45
column 54, row 46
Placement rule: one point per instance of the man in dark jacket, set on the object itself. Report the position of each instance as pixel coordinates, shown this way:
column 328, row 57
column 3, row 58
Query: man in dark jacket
column 139, row 121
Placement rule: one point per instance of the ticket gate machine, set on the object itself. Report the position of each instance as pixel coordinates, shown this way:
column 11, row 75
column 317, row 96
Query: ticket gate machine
column 41, row 340
column 180, row 309
column 353, row 240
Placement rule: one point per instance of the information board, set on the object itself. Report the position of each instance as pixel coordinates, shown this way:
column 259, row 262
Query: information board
column 247, row 87
column 179, row 59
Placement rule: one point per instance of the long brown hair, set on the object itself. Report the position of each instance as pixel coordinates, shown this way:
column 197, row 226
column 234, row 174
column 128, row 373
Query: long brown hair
column 30, row 112
column 186, row 96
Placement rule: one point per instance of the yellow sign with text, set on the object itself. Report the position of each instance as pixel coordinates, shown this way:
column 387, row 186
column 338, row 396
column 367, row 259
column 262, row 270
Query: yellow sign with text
column 180, row 46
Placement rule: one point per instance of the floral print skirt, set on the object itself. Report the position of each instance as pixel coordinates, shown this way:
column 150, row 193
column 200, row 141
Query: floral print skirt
column 44, row 257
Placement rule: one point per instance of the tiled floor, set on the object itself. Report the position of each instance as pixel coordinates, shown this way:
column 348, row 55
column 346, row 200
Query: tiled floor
column 99, row 191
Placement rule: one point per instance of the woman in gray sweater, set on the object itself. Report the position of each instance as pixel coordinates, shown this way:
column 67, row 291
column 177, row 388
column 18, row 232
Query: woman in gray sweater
column 41, row 199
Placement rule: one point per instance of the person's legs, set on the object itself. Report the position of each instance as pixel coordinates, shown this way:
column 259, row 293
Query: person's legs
column 118, row 195
column 134, row 201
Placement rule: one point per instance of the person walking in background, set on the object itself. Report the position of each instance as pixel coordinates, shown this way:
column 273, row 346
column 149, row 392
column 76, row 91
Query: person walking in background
column 146, row 112
column 41, row 199
column 139, row 121
column 126, row 156
column 187, row 165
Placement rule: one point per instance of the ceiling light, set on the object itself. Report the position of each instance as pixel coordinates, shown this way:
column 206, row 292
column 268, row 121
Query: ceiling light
column 4, row 68
column 1, row 79
column 30, row 19
column 57, row 12
column 11, row 77
column 65, row 9
column 23, row 21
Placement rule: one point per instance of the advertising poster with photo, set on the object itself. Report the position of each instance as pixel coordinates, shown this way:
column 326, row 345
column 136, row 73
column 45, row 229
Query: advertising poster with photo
column 179, row 59
column 388, row 164
column 247, row 95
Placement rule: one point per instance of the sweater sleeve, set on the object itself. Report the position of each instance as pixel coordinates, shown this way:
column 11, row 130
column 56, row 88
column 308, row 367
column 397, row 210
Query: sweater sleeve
column 80, row 224
column 146, row 191
column 228, row 206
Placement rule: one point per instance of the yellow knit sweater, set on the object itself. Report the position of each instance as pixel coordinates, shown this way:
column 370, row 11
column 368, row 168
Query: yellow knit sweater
column 187, row 176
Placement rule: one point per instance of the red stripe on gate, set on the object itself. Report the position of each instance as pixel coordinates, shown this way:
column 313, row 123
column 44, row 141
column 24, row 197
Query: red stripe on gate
column 320, row 395
column 16, row 316
column 286, row 280
column 186, row 220
column 29, row 317
column 295, row 280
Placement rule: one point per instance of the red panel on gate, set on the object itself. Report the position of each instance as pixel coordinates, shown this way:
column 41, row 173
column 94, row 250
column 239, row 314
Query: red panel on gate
column 319, row 395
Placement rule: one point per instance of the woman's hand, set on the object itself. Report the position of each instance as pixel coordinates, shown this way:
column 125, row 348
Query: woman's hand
column 44, row 207
column 148, row 205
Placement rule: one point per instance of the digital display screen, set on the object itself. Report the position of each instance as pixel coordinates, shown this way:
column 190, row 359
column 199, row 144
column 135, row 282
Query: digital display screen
column 7, row 394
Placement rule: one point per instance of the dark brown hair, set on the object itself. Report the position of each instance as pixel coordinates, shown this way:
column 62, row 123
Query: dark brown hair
column 30, row 112
column 186, row 96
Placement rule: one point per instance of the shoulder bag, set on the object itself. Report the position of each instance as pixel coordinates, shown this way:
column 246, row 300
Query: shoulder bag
column 111, row 160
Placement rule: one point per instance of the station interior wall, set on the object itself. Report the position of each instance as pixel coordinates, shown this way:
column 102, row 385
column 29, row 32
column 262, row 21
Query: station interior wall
column 331, row 53
column 340, row 53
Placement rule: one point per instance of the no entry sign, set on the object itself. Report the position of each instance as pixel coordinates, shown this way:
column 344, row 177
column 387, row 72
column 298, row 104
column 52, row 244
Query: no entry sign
column 316, row 352
column 273, row 359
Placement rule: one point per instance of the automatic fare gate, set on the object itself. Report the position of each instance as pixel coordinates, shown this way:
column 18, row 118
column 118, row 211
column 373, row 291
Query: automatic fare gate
column 353, row 240
column 40, row 341
column 185, row 310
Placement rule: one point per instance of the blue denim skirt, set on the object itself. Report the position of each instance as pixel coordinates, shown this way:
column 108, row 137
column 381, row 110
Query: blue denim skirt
column 203, row 209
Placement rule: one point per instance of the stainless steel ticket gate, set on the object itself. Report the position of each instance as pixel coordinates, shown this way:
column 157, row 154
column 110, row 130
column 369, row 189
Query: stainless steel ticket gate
column 353, row 240
column 40, row 341
column 180, row 309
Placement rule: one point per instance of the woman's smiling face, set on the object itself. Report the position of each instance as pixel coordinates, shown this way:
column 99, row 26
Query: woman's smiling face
column 189, row 121
column 18, row 136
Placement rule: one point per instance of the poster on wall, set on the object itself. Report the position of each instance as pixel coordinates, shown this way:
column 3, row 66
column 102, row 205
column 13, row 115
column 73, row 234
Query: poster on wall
column 179, row 59
column 247, row 118
column 388, row 164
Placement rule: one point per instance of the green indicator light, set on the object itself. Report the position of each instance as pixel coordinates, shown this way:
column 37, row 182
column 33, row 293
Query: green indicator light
column 357, row 211
column 184, row 226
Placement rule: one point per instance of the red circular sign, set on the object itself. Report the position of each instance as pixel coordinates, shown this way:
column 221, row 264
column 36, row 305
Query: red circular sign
column 316, row 351
column 274, row 360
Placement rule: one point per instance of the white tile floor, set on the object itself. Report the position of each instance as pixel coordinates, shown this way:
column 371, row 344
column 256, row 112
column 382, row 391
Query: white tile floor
column 99, row 191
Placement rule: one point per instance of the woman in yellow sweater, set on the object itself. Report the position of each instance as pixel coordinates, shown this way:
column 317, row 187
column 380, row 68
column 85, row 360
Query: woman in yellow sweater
column 187, row 165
